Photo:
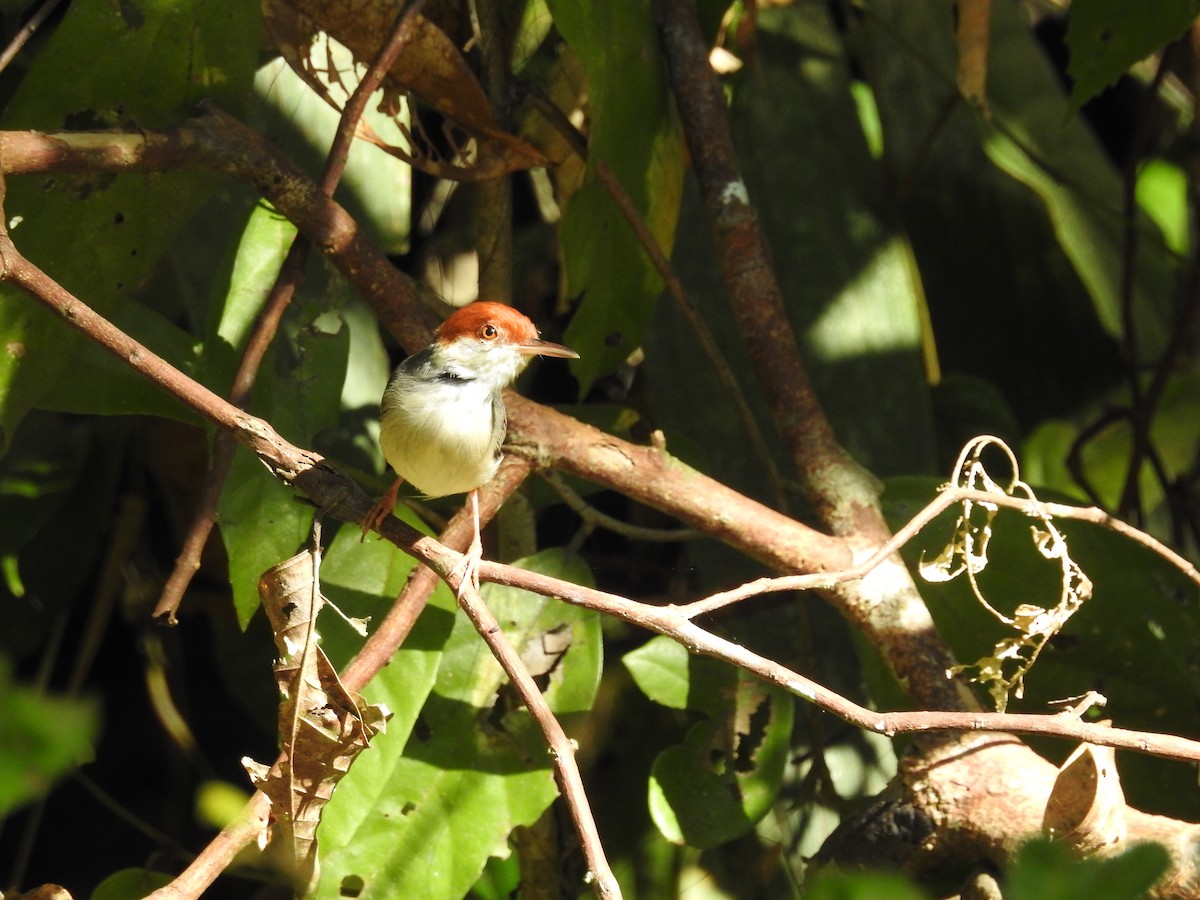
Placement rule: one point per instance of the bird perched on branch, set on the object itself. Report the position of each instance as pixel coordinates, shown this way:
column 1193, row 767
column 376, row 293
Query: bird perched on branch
column 442, row 418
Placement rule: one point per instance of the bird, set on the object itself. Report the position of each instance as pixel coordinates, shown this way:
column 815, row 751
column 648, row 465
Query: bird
column 442, row 419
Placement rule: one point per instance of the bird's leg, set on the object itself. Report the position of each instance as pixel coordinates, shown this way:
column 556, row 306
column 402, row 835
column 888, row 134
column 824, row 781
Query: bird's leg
column 382, row 509
column 471, row 559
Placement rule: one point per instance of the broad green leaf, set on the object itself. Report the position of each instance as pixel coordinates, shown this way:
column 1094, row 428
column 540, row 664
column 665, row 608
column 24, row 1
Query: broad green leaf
column 1106, row 37
column 260, row 253
column 262, row 523
column 420, row 814
column 1004, row 267
column 726, row 774
column 262, row 519
column 99, row 235
column 862, row 886
column 659, row 668
column 376, row 187
column 1162, row 194
column 1044, row 870
column 131, row 884
column 298, row 390
column 724, row 777
column 43, row 738
column 669, row 675
column 634, row 131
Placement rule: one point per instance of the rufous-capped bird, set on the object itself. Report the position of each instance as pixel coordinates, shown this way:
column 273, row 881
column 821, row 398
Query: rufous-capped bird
column 442, row 417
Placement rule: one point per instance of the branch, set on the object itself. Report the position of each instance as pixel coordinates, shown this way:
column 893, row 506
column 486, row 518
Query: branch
column 745, row 260
column 889, row 611
column 548, row 438
column 675, row 622
column 950, row 496
column 562, row 748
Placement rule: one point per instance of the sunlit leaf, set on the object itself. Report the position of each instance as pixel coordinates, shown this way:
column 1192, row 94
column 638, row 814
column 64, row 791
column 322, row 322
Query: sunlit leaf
column 724, row 776
column 421, row 813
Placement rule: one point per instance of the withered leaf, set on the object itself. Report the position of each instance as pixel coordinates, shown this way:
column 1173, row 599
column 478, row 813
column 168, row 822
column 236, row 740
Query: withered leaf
column 431, row 68
column 322, row 725
column 1086, row 808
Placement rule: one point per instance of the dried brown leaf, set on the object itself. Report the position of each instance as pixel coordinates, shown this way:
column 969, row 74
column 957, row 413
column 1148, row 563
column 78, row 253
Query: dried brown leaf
column 430, row 68
column 1086, row 807
column 322, row 725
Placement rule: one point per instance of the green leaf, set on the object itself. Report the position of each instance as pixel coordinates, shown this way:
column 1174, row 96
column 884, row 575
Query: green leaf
column 43, row 737
column 724, row 777
column 131, row 884
column 420, row 814
column 1041, row 270
column 1039, row 143
column 660, row 669
column 262, row 523
column 862, row 886
column 1162, row 194
column 260, row 253
column 99, row 235
column 1106, row 37
column 634, row 131
column 298, row 390
column 376, row 187
column 1044, row 870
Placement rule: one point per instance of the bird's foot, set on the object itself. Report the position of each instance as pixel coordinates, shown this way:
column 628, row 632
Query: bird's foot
column 381, row 510
column 469, row 565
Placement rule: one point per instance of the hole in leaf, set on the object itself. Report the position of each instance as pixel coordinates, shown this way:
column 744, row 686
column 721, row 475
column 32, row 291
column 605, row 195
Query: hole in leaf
column 749, row 742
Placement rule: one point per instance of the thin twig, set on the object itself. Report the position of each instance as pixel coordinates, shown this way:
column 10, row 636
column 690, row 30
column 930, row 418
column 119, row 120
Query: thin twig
column 595, row 518
column 21, row 38
column 673, row 623
column 943, row 501
column 562, row 748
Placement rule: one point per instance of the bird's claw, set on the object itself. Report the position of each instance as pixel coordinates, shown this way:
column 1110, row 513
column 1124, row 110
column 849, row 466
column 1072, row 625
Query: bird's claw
column 469, row 565
column 379, row 513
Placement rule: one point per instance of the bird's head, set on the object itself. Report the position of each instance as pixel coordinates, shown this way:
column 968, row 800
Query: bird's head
column 492, row 342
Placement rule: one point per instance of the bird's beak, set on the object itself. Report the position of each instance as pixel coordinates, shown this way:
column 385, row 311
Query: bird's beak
column 545, row 348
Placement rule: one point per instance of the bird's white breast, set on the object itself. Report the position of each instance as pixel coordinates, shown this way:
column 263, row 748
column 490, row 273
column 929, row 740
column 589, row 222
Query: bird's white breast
column 443, row 438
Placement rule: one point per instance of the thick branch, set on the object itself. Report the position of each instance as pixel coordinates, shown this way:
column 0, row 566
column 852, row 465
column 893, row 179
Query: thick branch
column 747, row 269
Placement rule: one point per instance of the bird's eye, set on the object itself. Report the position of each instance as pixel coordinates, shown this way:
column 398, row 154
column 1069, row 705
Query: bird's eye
column 489, row 332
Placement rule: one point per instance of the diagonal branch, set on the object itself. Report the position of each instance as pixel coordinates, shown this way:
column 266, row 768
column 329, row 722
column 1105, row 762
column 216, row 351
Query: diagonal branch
column 746, row 266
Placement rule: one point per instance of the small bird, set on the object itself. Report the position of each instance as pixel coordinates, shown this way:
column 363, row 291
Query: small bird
column 442, row 417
